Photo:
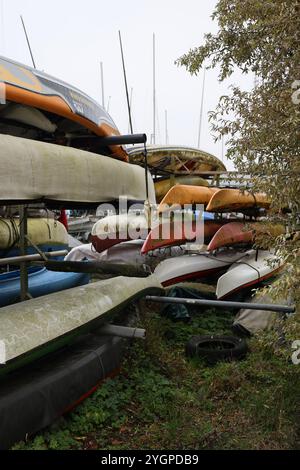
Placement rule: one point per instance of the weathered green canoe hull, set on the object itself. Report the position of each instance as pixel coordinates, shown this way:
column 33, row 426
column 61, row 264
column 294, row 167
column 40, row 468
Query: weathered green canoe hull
column 38, row 327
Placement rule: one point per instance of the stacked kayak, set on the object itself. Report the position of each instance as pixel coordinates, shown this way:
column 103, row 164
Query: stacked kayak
column 180, row 232
column 41, row 231
column 233, row 253
column 188, row 267
column 115, row 229
column 37, row 104
column 255, row 268
column 163, row 185
column 234, row 200
column 32, row 171
column 30, row 329
column 40, row 282
column 182, row 195
column 235, row 233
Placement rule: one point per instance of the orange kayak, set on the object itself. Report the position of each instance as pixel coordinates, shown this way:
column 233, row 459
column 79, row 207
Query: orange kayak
column 181, row 195
column 231, row 200
column 163, row 185
column 235, row 233
column 38, row 101
column 177, row 233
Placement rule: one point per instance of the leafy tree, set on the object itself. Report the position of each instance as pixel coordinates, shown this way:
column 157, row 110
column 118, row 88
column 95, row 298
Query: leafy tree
column 261, row 37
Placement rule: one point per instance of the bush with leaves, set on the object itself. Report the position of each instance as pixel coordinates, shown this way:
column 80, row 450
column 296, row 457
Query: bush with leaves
column 263, row 125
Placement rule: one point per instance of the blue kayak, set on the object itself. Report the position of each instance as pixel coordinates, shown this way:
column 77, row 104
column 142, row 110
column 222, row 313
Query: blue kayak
column 40, row 282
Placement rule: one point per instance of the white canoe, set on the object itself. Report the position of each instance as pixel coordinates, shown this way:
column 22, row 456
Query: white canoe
column 114, row 229
column 34, row 171
column 30, row 325
column 249, row 271
column 40, row 231
column 202, row 265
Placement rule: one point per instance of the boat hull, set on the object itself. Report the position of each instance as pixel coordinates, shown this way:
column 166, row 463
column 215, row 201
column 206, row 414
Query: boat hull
column 37, row 90
column 176, row 159
column 34, row 328
column 112, row 230
column 182, row 195
column 40, row 282
column 247, row 273
column 233, row 200
column 41, row 231
column 179, row 233
column 162, row 186
column 198, row 266
column 235, row 233
column 34, row 398
column 37, row 171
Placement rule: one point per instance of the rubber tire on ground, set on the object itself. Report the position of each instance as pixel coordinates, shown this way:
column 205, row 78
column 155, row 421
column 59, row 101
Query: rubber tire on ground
column 216, row 348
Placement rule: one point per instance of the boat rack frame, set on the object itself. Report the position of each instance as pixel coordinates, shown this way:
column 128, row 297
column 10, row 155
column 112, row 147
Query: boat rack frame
column 24, row 258
column 222, row 304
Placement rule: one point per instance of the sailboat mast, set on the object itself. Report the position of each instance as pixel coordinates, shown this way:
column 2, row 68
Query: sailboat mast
column 126, row 86
column 102, row 84
column 28, row 43
column 131, row 94
column 201, row 110
column 154, row 92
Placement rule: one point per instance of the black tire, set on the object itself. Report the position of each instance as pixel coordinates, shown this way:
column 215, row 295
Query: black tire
column 216, row 348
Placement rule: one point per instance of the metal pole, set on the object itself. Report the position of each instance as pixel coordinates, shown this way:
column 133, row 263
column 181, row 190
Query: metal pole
column 28, row 43
column 222, row 304
column 28, row 258
column 23, row 251
column 201, row 110
column 154, row 92
column 102, row 85
column 126, row 86
column 123, row 331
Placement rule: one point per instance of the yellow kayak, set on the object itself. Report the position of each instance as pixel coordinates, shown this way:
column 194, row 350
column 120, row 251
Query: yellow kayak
column 162, row 186
column 181, row 195
column 231, row 200
column 40, row 232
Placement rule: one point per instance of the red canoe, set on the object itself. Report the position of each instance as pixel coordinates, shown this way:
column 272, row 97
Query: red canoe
column 235, row 233
column 178, row 233
column 230, row 234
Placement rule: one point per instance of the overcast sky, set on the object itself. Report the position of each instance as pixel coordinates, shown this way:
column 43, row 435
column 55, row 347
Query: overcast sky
column 70, row 38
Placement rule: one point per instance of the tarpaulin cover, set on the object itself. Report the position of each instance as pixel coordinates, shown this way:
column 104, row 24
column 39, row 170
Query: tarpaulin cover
column 33, row 398
column 180, row 312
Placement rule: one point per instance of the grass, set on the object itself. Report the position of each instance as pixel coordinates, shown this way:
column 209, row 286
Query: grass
column 162, row 400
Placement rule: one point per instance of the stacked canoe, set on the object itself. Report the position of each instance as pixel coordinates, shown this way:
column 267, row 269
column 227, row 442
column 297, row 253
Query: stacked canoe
column 235, row 254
